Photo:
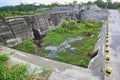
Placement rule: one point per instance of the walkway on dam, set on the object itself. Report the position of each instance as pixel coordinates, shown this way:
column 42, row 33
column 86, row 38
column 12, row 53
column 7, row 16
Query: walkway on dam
column 114, row 44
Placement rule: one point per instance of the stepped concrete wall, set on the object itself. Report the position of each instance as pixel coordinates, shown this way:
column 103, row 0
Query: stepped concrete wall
column 95, row 16
column 18, row 29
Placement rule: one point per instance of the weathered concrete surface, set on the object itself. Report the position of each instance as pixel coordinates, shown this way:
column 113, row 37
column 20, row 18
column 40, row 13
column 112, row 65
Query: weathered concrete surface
column 61, row 71
column 97, row 63
column 25, row 27
column 95, row 16
column 93, row 7
column 114, row 38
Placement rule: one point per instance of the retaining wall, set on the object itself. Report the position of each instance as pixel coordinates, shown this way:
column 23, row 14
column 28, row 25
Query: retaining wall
column 97, row 63
column 18, row 29
column 95, row 16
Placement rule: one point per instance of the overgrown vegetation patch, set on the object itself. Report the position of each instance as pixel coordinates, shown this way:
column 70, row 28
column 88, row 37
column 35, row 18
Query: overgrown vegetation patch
column 71, row 42
column 9, row 73
column 19, row 71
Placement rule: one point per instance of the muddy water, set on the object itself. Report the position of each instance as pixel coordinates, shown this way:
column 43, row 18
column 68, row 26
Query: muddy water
column 65, row 46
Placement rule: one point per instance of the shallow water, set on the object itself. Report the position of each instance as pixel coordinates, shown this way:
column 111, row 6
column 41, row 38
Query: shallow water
column 65, row 46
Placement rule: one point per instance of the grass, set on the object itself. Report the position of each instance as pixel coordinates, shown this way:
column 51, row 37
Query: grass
column 84, row 48
column 27, row 46
column 56, row 37
column 7, row 72
column 73, row 58
column 19, row 13
column 18, row 71
column 44, row 51
column 83, row 53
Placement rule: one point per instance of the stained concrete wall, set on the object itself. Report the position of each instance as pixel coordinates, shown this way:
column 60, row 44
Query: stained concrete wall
column 95, row 16
column 5, row 31
column 19, row 29
column 97, row 63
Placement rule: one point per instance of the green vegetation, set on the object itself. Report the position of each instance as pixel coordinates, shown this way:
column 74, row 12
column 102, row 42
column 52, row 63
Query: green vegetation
column 109, row 4
column 84, row 48
column 19, row 71
column 30, row 9
column 74, row 58
column 44, row 52
column 27, row 46
column 7, row 72
column 3, row 58
column 24, row 9
column 19, row 13
column 69, row 29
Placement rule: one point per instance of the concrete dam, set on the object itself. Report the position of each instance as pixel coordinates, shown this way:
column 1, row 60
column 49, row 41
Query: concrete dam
column 16, row 30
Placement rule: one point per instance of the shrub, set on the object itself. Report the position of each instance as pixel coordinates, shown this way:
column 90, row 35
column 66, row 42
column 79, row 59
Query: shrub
column 67, row 26
column 64, row 23
column 72, row 25
column 60, row 30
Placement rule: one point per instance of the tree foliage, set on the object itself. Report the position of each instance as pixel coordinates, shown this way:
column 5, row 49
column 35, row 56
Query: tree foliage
column 109, row 4
column 29, row 9
column 24, row 9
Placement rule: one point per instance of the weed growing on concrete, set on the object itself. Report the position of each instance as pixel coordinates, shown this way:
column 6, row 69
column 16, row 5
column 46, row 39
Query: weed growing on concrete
column 18, row 71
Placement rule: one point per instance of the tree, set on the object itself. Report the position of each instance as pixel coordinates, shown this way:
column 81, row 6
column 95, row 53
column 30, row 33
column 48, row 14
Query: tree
column 109, row 4
column 74, row 2
column 100, row 3
column 89, row 3
column 116, row 5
